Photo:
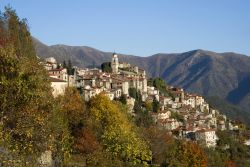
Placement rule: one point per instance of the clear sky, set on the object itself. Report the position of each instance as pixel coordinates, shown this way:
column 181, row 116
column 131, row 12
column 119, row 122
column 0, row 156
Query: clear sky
column 140, row 27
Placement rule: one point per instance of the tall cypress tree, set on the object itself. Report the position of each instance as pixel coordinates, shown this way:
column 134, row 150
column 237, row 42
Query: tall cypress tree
column 69, row 67
column 156, row 105
column 64, row 64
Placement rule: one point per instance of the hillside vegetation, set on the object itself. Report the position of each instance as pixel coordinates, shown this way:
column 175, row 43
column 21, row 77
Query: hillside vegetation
column 207, row 73
column 77, row 133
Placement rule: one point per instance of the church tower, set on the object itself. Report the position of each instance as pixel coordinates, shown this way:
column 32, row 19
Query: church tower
column 115, row 63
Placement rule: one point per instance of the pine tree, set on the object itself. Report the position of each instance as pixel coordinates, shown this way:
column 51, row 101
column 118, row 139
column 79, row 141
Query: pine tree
column 64, row 64
column 155, row 105
column 69, row 67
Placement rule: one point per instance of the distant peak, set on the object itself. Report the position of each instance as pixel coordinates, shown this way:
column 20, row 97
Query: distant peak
column 204, row 52
column 198, row 51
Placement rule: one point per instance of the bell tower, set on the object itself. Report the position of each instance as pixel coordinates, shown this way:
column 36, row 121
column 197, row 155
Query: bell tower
column 115, row 63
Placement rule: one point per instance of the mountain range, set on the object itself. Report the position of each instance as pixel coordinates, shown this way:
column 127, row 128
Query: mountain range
column 222, row 75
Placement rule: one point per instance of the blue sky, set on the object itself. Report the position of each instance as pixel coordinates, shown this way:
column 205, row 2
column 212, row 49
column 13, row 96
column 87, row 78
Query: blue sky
column 140, row 27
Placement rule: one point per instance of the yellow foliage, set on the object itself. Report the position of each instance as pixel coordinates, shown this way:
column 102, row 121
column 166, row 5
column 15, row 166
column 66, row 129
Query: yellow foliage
column 72, row 105
column 118, row 134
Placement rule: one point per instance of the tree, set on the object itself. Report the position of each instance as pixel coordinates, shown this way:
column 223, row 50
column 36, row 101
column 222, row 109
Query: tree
column 150, row 82
column 159, row 142
column 85, row 141
column 133, row 93
column 230, row 163
column 177, row 116
column 148, row 106
column 123, row 99
column 64, row 64
column 69, row 68
column 182, row 153
column 19, row 35
column 136, row 94
column 58, row 66
column 93, row 64
column 116, row 133
column 73, row 105
column 60, row 139
column 216, row 157
column 143, row 118
column 25, row 93
column 159, row 83
column 106, row 67
column 155, row 105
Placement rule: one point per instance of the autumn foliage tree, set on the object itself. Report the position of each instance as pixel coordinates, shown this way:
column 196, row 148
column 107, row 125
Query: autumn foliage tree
column 24, row 92
column 116, row 133
column 73, row 108
column 182, row 153
column 72, row 105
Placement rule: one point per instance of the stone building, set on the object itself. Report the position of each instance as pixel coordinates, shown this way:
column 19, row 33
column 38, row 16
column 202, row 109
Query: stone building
column 58, row 86
column 206, row 137
column 115, row 64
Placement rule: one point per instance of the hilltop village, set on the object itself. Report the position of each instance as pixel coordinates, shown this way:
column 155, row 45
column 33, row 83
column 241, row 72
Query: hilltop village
column 184, row 115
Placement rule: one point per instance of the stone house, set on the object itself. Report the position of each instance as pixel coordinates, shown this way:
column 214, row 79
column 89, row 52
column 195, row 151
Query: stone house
column 190, row 101
column 164, row 101
column 60, row 73
column 89, row 92
column 50, row 63
column 58, row 86
column 221, row 125
column 168, row 124
column 206, row 137
column 161, row 115
column 152, row 91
